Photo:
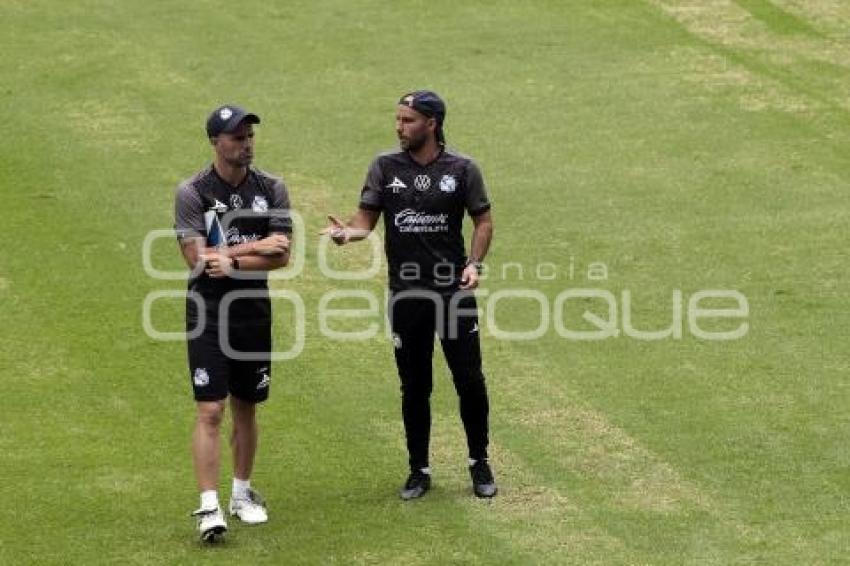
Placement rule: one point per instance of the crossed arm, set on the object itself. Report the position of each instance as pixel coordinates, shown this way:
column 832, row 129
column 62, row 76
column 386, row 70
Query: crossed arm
column 267, row 254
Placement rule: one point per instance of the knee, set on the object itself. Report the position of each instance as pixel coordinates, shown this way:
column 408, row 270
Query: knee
column 417, row 387
column 469, row 381
column 244, row 413
column 211, row 413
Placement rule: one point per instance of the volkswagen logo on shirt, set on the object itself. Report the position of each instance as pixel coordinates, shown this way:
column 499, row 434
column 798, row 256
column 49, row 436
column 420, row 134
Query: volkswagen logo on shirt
column 422, row 182
column 235, row 201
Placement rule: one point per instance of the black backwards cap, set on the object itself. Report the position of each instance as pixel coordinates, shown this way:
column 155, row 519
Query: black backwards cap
column 430, row 105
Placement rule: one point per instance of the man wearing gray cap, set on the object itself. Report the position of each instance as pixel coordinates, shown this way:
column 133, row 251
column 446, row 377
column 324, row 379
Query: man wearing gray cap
column 423, row 191
column 232, row 222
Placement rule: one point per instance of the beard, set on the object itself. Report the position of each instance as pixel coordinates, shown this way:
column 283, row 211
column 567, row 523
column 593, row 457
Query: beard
column 241, row 160
column 414, row 143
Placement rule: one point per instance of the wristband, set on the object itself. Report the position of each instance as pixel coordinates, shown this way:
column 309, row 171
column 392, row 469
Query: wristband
column 235, row 262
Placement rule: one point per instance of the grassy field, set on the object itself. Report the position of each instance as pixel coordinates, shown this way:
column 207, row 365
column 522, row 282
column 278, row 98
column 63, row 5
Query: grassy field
column 685, row 145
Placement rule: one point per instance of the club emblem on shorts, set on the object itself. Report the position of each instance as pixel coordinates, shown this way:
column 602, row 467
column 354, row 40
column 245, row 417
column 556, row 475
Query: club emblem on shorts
column 225, row 113
column 264, row 383
column 448, row 184
column 201, row 377
column 396, row 341
column 396, row 185
column 422, row 182
column 235, row 201
column 260, row 204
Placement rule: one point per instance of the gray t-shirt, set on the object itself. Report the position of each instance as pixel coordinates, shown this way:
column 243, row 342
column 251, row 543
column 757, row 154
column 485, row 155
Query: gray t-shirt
column 264, row 201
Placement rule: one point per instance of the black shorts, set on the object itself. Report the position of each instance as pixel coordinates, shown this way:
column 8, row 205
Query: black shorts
column 215, row 375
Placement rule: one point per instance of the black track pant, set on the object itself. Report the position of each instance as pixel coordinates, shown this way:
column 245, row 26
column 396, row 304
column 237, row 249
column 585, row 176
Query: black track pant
column 415, row 318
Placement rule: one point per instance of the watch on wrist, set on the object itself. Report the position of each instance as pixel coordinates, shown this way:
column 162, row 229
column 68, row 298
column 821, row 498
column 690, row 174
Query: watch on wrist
column 476, row 264
column 235, row 263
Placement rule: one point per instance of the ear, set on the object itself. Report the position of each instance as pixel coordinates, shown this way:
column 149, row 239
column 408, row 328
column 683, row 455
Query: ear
column 213, row 141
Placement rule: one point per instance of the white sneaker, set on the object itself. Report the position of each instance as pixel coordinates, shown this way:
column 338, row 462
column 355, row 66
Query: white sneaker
column 250, row 509
column 211, row 524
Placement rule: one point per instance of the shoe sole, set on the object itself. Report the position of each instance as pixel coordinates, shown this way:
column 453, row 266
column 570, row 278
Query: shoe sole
column 412, row 497
column 236, row 514
column 484, row 495
column 214, row 534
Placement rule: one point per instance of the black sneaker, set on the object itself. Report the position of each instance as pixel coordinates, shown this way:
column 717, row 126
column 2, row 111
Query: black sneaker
column 483, row 484
column 418, row 482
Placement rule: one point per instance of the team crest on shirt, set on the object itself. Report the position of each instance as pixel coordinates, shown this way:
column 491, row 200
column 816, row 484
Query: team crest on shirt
column 448, row 184
column 260, row 204
column 201, row 377
column 235, row 201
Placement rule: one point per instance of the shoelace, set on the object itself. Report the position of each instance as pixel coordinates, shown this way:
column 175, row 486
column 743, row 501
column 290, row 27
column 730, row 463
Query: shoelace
column 255, row 498
column 203, row 513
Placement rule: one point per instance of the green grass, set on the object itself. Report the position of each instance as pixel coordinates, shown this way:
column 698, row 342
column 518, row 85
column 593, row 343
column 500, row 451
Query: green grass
column 685, row 145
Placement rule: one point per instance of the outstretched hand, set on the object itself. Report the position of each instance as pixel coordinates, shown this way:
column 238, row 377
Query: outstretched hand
column 336, row 229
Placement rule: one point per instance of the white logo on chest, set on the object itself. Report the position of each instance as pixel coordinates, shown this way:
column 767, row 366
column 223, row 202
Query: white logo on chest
column 409, row 220
column 260, row 204
column 396, row 185
column 422, row 182
column 448, row 184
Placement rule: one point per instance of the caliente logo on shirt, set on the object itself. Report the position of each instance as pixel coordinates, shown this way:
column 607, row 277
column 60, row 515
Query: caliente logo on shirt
column 409, row 220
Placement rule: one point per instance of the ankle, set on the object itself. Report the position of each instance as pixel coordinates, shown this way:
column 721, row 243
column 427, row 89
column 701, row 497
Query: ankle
column 209, row 499
column 240, row 488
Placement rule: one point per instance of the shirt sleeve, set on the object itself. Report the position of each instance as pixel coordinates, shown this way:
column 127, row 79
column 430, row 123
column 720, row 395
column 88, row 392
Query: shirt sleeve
column 282, row 219
column 188, row 213
column 372, row 195
column 476, row 200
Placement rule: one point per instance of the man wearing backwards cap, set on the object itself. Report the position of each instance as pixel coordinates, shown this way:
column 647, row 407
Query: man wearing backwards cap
column 233, row 225
column 423, row 191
